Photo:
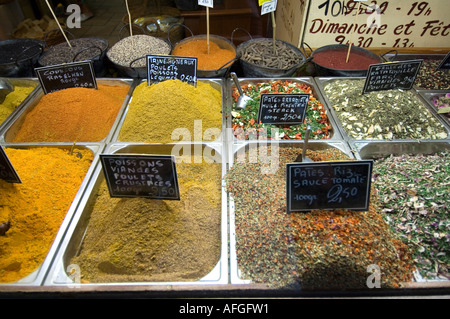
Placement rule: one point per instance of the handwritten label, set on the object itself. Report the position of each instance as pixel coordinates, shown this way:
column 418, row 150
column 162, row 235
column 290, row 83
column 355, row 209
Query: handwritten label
column 445, row 64
column 282, row 108
column 161, row 68
column 261, row 2
column 388, row 76
column 149, row 176
column 59, row 77
column 386, row 24
column 206, row 3
column 328, row 185
column 269, row 6
column 7, row 171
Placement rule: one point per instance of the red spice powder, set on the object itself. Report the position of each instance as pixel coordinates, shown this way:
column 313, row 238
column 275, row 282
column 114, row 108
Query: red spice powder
column 336, row 59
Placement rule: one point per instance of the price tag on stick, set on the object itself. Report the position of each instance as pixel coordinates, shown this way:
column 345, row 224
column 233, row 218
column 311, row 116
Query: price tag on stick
column 282, row 108
column 149, row 176
column 394, row 75
column 63, row 76
column 328, row 185
column 7, row 171
column 268, row 7
column 206, row 3
column 161, row 68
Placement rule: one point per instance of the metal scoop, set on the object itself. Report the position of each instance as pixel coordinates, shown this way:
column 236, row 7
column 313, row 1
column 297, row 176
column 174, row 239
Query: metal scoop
column 6, row 87
column 302, row 157
column 242, row 99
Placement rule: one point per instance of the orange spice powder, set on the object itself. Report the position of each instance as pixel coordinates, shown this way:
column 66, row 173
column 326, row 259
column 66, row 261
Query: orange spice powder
column 73, row 115
column 216, row 58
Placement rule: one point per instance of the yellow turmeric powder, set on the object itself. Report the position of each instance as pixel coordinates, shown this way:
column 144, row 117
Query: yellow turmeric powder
column 36, row 208
column 214, row 60
column 156, row 111
column 13, row 100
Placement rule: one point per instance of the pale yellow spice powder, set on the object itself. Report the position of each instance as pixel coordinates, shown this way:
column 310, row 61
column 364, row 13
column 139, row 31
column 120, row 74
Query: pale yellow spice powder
column 156, row 111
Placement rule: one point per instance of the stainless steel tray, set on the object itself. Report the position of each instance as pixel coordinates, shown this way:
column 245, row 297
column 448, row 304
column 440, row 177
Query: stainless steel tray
column 374, row 150
column 335, row 135
column 9, row 131
column 58, row 276
column 37, row 277
column 428, row 96
column 235, row 273
column 32, row 82
column 322, row 81
column 370, row 150
column 215, row 83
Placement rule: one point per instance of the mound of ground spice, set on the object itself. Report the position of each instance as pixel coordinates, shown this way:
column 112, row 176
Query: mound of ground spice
column 13, row 100
column 172, row 105
column 139, row 239
column 73, row 115
column 36, row 208
column 212, row 60
column 319, row 250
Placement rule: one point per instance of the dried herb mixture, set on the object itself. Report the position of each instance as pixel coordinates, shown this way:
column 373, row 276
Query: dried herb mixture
column 414, row 197
column 383, row 115
column 318, row 250
column 245, row 122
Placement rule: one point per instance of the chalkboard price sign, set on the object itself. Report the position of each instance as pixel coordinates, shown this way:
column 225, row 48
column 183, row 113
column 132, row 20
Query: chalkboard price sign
column 7, row 171
column 389, row 76
column 445, row 64
column 282, row 108
column 328, row 185
column 149, row 176
column 63, row 76
column 161, row 68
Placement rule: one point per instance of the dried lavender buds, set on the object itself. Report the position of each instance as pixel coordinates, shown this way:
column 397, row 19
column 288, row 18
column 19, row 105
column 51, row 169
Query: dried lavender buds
column 414, row 198
column 383, row 115
column 318, row 250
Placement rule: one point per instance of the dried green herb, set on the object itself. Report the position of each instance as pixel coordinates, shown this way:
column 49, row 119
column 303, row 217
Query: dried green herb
column 383, row 115
column 319, row 249
column 414, row 197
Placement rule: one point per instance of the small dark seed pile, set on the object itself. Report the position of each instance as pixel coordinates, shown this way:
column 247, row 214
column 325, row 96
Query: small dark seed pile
column 82, row 49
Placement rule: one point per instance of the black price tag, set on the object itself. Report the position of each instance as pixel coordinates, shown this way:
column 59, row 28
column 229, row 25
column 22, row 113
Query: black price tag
column 282, row 108
column 161, row 68
column 7, row 171
column 445, row 64
column 389, row 76
column 328, row 185
column 63, row 76
column 149, row 176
